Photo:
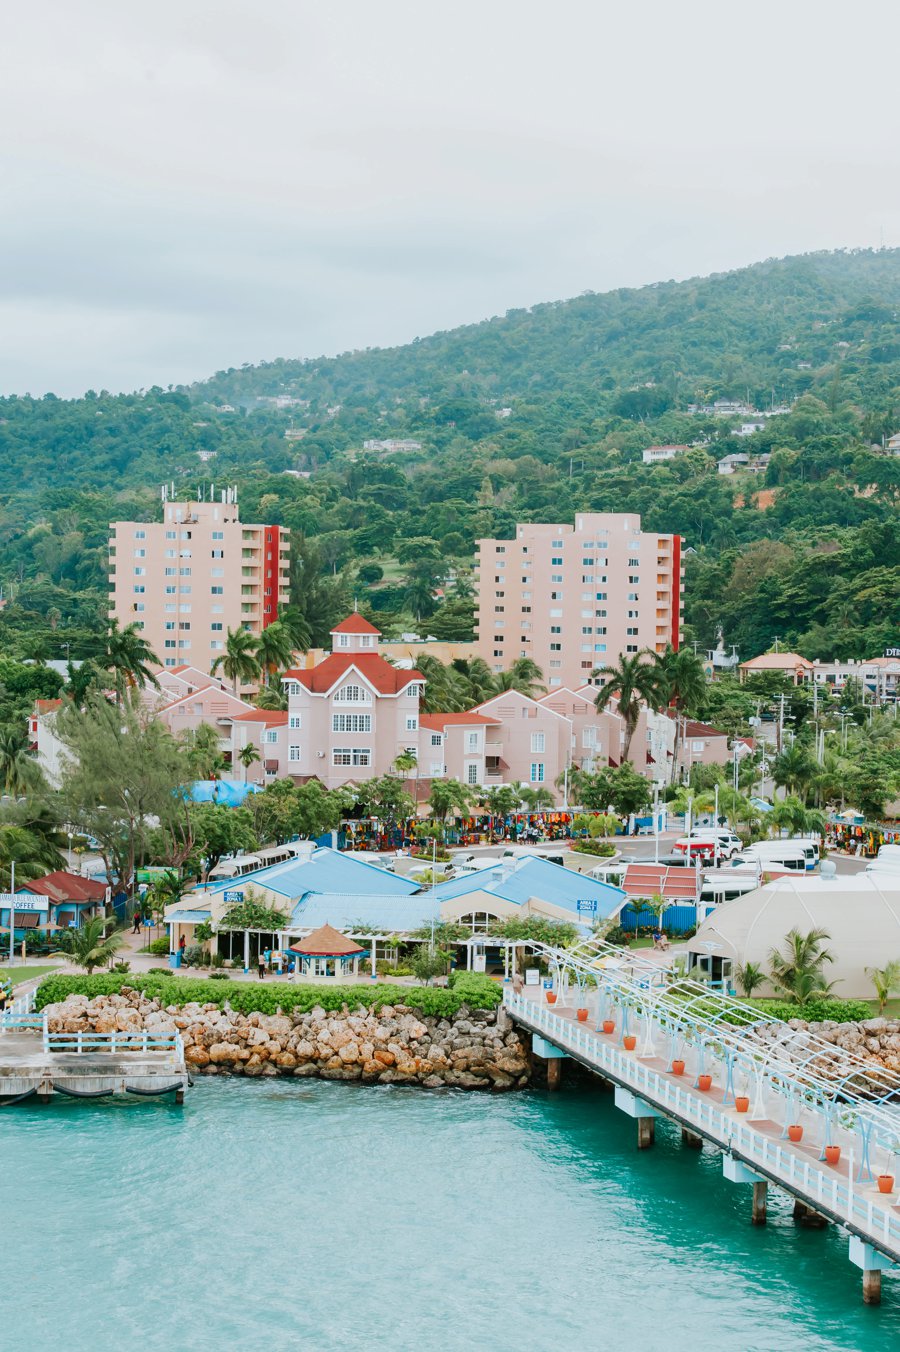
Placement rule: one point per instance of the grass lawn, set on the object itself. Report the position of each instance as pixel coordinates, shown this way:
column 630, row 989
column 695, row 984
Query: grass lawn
column 19, row 974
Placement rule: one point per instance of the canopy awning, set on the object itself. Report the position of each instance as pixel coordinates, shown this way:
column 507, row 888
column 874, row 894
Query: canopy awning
column 326, row 942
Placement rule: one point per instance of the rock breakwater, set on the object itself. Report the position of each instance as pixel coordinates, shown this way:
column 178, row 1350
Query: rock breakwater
column 393, row 1044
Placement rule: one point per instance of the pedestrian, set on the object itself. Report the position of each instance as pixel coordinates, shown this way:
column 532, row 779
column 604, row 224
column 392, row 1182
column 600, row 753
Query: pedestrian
column 262, row 966
column 136, row 922
column 182, row 945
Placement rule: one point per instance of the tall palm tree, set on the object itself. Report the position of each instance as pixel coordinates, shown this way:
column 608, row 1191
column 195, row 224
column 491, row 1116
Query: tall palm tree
column 19, row 772
column 632, row 683
column 535, row 799
column 248, row 755
column 129, row 657
column 680, row 682
column 274, row 649
column 297, row 628
column 272, row 698
column 404, row 764
column 798, row 969
column 793, row 769
column 238, row 661
column 33, row 853
column 525, row 676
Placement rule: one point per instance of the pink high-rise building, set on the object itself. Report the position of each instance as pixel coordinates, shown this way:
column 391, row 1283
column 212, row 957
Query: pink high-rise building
column 575, row 598
column 191, row 577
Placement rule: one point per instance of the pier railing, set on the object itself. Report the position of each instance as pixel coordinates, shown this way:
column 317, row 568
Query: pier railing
column 822, row 1188
column 143, row 1041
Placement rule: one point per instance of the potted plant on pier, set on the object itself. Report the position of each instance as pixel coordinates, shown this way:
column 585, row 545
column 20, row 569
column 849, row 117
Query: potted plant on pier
column 551, row 997
column 832, row 1154
column 629, row 1042
column 886, row 1183
column 704, row 1083
column 795, row 1132
column 741, row 1103
column 581, row 1015
column 678, row 1066
column 609, row 1026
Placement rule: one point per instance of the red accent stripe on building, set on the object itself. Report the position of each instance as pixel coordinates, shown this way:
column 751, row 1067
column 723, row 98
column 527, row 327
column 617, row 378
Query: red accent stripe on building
column 271, row 572
column 676, row 591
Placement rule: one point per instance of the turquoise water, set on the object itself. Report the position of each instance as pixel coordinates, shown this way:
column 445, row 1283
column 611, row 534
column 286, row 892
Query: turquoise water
column 285, row 1214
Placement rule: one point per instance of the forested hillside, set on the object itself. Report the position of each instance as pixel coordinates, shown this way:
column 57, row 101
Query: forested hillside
column 533, row 415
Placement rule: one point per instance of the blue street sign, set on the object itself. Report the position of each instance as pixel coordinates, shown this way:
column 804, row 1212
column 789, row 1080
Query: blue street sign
column 587, row 906
column 233, row 896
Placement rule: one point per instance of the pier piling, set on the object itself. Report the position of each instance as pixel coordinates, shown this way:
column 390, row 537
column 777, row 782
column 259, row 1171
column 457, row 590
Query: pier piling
column 691, row 1139
column 760, row 1202
column 805, row 1215
column 554, row 1073
column 646, row 1133
column 872, row 1286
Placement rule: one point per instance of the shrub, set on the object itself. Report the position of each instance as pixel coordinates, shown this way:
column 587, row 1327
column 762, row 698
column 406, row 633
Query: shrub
column 219, row 976
column 469, row 988
column 818, row 1011
column 158, row 947
column 598, row 847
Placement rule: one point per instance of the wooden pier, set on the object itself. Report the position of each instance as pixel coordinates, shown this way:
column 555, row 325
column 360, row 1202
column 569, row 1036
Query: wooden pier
column 35, row 1063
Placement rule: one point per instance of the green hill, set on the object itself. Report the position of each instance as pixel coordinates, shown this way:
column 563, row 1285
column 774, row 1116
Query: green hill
column 535, row 414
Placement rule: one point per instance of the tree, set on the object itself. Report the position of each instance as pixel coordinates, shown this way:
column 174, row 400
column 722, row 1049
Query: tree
column 681, row 683
column 204, row 751
column 90, row 946
column 630, row 792
column 385, row 799
column 633, row 682
column 427, row 963
column 524, row 675
column 238, row 662
column 750, row 975
column 793, row 769
column 798, row 970
column 248, row 755
column 219, row 831
column 123, row 775
column 253, row 914
column 501, row 800
column 272, row 698
column 535, row 798
column 129, row 657
column 886, row 981
column 33, row 854
column 19, row 772
column 449, row 795
column 274, row 650
column 285, row 809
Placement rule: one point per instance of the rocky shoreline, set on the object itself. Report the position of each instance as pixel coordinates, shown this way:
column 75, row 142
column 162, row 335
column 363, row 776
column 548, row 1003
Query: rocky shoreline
column 876, row 1042
column 475, row 1049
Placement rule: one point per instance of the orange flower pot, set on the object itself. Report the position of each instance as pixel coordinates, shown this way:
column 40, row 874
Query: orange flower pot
column 609, row 1026
column 704, row 1082
column 629, row 1042
column 795, row 1133
column 885, row 1182
column 551, row 997
column 741, row 1103
column 677, row 1067
column 832, row 1154
column 581, row 1015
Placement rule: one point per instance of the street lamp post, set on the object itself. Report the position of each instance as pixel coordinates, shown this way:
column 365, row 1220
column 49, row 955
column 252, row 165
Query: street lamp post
column 12, row 910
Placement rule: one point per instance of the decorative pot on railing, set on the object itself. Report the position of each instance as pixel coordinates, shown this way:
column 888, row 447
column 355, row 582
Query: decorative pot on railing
column 832, row 1154
column 581, row 1015
column 795, row 1132
column 741, row 1103
column 885, row 1182
column 551, row 997
column 609, row 1026
column 704, row 1082
column 677, row 1067
column 629, row 1042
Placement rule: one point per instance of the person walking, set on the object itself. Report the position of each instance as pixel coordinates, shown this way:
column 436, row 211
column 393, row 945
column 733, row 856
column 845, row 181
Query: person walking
column 136, row 921
column 261, row 965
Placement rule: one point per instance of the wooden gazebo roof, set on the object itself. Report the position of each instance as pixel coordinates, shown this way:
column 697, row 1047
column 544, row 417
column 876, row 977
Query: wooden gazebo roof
column 325, row 942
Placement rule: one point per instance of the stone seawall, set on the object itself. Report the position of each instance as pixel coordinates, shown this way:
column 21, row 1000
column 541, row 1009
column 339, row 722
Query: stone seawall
column 475, row 1049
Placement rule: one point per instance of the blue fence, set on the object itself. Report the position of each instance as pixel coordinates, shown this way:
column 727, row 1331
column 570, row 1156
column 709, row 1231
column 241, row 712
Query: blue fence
column 675, row 920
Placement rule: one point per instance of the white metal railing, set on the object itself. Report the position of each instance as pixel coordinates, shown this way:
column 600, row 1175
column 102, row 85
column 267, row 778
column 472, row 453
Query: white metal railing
column 82, row 1042
column 20, row 1014
column 821, row 1187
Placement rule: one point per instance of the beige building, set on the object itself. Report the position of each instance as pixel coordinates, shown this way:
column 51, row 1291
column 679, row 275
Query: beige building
column 573, row 598
column 193, row 576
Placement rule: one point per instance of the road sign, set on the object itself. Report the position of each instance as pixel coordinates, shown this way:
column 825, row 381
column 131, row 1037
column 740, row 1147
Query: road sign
column 229, row 897
column 587, row 905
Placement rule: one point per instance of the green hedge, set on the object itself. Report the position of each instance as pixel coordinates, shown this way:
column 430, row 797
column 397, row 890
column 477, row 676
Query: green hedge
column 818, row 1011
column 469, row 988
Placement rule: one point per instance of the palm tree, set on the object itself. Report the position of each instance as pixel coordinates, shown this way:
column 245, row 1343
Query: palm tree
column 90, row 946
column 446, row 690
column 681, row 683
column 886, row 981
column 33, row 853
column 798, row 970
column 749, row 975
column 631, row 683
column 248, row 755
column 272, row 698
column 793, row 769
column 404, row 764
column 274, row 649
column 238, row 661
column 19, row 772
column 129, row 657
column 204, row 752
column 525, row 676
column 297, row 629
column 536, row 799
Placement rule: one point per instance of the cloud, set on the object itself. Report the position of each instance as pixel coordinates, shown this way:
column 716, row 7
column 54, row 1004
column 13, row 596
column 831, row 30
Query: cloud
column 223, row 182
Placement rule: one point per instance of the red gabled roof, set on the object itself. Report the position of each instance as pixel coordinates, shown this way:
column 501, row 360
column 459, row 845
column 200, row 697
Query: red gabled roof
column 379, row 673
column 694, row 729
column 438, row 722
column 355, row 624
column 46, row 706
column 273, row 718
column 62, row 886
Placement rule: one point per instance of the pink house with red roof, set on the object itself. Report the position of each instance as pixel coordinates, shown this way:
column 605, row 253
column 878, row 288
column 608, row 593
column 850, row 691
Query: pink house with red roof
column 350, row 716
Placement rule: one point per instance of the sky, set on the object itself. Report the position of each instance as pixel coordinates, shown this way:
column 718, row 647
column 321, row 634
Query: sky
column 195, row 184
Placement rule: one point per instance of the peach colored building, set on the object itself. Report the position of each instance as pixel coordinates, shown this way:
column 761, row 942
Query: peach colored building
column 193, row 576
column 350, row 716
column 267, row 731
column 573, row 598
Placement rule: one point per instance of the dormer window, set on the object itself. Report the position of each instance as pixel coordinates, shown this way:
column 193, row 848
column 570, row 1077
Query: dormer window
column 352, row 694
column 343, row 640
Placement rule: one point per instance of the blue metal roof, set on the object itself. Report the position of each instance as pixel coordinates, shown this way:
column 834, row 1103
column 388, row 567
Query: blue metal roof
column 345, row 910
column 187, row 917
column 325, row 870
column 535, row 878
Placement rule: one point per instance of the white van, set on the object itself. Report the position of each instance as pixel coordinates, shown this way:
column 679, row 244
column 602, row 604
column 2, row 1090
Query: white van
column 791, row 855
column 729, row 842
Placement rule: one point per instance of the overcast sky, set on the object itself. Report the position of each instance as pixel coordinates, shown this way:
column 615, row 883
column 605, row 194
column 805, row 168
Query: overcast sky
column 192, row 184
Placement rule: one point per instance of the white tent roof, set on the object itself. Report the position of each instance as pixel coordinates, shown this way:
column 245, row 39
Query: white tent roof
column 861, row 914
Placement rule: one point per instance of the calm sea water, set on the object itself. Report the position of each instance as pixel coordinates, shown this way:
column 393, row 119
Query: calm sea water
column 284, row 1215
